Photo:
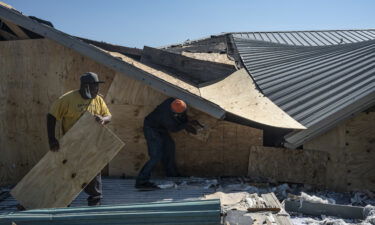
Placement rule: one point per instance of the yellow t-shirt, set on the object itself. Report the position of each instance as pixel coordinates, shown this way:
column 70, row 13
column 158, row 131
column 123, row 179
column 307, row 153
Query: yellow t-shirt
column 71, row 106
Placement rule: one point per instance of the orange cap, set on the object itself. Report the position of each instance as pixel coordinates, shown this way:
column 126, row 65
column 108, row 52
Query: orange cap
column 178, row 106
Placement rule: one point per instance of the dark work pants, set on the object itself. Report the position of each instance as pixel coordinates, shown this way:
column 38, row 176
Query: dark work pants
column 161, row 147
column 94, row 189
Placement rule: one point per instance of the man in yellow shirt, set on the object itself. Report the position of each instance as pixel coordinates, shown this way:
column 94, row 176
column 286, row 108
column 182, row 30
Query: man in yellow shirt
column 68, row 109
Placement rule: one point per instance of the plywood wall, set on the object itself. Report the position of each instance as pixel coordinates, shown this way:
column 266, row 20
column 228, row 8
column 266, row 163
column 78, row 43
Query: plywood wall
column 287, row 165
column 351, row 149
column 224, row 153
column 33, row 74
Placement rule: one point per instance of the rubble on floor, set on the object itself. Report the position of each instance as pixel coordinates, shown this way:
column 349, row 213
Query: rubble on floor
column 243, row 201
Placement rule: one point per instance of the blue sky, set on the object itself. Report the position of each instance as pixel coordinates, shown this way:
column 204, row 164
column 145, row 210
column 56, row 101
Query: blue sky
column 162, row 22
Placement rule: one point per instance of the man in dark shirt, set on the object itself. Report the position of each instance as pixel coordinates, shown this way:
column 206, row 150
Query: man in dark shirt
column 169, row 116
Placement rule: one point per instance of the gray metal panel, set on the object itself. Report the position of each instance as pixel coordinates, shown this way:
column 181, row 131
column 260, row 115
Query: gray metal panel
column 310, row 38
column 317, row 85
column 110, row 61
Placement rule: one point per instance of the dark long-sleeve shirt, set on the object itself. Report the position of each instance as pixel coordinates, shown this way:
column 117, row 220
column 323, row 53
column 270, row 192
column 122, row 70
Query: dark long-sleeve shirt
column 164, row 119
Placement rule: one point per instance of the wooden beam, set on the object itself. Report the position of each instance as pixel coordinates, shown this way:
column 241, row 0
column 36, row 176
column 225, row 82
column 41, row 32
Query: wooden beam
column 59, row 176
column 17, row 30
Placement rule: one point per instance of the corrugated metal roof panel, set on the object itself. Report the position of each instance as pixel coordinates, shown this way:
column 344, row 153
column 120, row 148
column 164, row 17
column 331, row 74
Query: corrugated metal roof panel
column 184, row 212
column 312, row 83
column 310, row 38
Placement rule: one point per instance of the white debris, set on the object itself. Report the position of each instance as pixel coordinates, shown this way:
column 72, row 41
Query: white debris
column 323, row 221
column 369, row 213
column 250, row 202
column 331, row 221
column 315, row 199
column 167, row 185
column 271, row 219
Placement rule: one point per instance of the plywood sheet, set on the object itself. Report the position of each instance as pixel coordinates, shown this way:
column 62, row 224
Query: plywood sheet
column 285, row 165
column 59, row 176
column 33, row 74
column 333, row 142
column 238, row 94
column 125, row 90
column 127, row 123
column 360, row 145
column 351, row 148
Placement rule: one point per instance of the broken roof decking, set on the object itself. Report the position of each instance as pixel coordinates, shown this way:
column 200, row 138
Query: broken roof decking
column 310, row 38
column 156, row 79
column 110, row 61
column 318, row 86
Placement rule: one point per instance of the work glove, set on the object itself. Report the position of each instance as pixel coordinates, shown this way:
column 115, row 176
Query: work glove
column 53, row 144
column 99, row 119
column 191, row 129
column 195, row 123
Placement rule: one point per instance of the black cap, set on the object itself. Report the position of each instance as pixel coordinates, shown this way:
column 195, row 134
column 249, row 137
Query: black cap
column 89, row 78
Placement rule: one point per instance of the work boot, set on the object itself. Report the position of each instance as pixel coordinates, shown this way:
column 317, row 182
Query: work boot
column 146, row 186
column 93, row 201
column 20, row 207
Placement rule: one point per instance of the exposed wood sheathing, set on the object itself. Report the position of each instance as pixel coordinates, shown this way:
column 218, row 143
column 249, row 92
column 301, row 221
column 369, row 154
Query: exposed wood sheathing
column 210, row 57
column 238, row 94
column 59, row 176
column 285, row 165
column 33, row 74
column 351, row 148
column 195, row 70
column 224, row 153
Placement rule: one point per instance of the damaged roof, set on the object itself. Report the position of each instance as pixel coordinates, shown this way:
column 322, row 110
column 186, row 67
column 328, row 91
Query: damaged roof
column 165, row 82
column 318, row 86
column 9, row 14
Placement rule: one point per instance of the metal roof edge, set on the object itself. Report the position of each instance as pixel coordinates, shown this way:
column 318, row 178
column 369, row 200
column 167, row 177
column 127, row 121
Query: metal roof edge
column 241, row 32
column 290, row 31
column 297, row 138
column 111, row 62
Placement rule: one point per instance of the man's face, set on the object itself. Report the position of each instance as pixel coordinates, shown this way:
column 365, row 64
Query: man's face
column 94, row 89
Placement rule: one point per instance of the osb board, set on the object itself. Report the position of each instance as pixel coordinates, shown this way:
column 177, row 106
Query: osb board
column 360, row 144
column 224, row 153
column 33, row 74
column 211, row 57
column 332, row 142
column 127, row 123
column 238, row 94
column 196, row 70
column 285, row 165
column 59, row 176
column 125, row 90
column 351, row 148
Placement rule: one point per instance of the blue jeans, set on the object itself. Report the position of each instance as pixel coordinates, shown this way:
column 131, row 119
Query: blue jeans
column 94, row 189
column 161, row 147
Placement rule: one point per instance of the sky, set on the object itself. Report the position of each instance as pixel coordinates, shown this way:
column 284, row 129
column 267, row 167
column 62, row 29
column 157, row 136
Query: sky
column 158, row 23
